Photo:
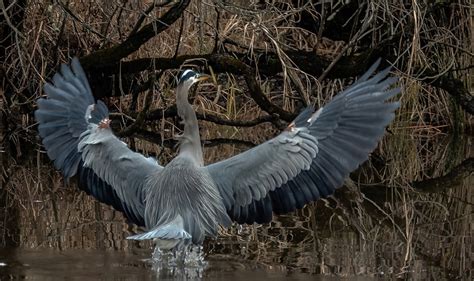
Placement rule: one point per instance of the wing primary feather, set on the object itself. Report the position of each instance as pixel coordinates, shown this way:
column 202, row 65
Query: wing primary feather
column 79, row 147
column 311, row 158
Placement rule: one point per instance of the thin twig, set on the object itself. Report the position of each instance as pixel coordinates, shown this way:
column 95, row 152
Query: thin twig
column 7, row 19
column 129, row 130
column 119, row 17
column 136, row 40
column 145, row 14
column 85, row 25
column 367, row 21
column 216, row 39
column 176, row 51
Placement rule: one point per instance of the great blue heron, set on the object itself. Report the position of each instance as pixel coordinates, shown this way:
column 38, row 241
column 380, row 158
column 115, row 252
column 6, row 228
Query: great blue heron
column 186, row 200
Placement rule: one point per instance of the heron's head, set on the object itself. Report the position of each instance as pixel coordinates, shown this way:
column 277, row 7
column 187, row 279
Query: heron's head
column 190, row 77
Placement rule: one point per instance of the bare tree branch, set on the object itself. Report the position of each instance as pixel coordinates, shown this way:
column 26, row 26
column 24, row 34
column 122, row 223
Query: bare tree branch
column 171, row 143
column 309, row 62
column 223, row 63
column 455, row 87
column 219, row 141
column 171, row 112
column 238, row 123
column 451, row 179
column 136, row 40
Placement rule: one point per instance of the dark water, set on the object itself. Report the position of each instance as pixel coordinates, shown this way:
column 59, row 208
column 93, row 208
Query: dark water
column 382, row 225
column 118, row 265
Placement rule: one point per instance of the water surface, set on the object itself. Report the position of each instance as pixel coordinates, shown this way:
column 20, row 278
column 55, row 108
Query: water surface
column 379, row 226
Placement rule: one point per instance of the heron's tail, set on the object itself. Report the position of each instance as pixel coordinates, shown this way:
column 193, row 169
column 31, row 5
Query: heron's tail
column 170, row 231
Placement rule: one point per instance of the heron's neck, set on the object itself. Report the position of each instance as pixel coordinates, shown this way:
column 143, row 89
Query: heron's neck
column 190, row 140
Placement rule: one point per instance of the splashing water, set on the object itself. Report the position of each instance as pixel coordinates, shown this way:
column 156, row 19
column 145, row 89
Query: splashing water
column 184, row 262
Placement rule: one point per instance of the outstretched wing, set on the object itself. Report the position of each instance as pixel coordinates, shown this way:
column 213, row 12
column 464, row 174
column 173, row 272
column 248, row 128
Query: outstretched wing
column 76, row 135
column 312, row 157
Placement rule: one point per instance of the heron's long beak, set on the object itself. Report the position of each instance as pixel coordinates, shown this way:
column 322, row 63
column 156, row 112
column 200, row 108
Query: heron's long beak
column 203, row 77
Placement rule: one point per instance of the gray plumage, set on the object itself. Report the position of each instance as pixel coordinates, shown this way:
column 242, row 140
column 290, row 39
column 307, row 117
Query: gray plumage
column 186, row 200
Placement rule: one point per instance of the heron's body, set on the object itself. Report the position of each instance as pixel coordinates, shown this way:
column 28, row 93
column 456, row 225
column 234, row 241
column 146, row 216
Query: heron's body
column 196, row 199
column 187, row 200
